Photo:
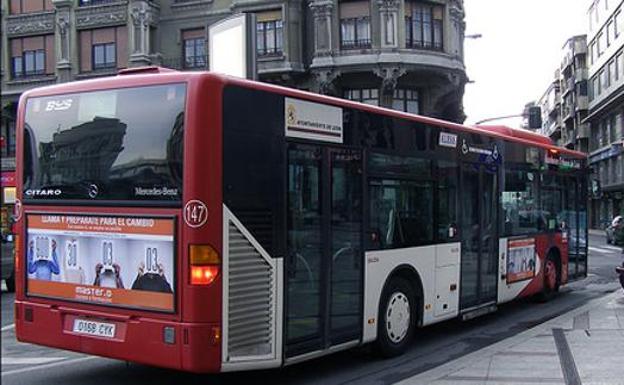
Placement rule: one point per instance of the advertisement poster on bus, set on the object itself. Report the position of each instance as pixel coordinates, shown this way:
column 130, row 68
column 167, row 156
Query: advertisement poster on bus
column 109, row 260
column 520, row 259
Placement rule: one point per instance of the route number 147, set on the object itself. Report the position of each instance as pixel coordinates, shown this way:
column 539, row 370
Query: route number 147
column 195, row 213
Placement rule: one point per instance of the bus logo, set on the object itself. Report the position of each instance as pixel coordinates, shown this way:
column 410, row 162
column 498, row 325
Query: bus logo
column 195, row 213
column 93, row 191
column 292, row 114
column 59, row 105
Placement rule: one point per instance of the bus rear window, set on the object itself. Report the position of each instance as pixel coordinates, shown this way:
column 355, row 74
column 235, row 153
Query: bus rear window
column 122, row 144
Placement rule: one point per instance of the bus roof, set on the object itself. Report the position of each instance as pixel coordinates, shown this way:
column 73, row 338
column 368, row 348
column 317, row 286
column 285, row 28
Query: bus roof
column 148, row 75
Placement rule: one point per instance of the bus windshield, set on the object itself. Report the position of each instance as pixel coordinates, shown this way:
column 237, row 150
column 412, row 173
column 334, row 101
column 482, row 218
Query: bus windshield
column 122, row 144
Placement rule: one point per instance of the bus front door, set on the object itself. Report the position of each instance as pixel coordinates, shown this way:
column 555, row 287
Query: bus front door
column 324, row 245
column 479, row 235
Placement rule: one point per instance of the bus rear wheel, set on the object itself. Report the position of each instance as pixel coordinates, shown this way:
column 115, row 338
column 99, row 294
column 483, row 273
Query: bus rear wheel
column 552, row 279
column 397, row 318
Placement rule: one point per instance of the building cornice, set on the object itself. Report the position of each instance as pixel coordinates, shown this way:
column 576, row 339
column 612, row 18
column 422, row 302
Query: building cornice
column 401, row 58
column 30, row 24
column 190, row 5
column 102, row 15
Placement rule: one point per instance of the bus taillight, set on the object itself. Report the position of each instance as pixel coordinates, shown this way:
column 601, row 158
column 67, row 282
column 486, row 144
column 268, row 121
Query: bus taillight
column 205, row 264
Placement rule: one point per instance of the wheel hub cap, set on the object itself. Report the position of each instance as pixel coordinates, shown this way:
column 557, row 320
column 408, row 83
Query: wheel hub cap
column 397, row 317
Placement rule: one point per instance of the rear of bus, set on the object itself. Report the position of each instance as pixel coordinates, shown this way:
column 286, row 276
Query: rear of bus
column 105, row 262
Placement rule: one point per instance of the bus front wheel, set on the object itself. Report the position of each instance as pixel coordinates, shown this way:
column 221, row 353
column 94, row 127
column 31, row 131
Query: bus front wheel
column 10, row 283
column 397, row 318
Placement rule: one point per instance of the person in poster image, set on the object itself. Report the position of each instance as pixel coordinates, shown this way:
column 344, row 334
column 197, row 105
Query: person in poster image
column 72, row 272
column 107, row 272
column 108, row 278
column 152, row 281
column 43, row 268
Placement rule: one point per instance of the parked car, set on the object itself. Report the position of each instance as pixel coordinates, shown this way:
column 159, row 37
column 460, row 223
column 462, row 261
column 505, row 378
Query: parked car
column 7, row 269
column 615, row 231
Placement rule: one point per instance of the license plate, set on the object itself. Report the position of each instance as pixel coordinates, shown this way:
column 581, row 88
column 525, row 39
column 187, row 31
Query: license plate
column 94, row 328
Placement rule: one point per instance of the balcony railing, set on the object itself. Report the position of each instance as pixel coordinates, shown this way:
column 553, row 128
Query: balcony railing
column 85, row 3
column 355, row 44
column 180, row 63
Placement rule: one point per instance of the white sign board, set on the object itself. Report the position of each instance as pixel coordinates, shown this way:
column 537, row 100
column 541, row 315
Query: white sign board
column 313, row 121
column 232, row 46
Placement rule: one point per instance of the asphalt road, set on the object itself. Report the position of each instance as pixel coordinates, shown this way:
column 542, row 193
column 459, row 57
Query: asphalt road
column 435, row 345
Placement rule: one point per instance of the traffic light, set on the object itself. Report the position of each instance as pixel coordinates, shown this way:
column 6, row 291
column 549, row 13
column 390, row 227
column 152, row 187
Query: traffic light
column 535, row 117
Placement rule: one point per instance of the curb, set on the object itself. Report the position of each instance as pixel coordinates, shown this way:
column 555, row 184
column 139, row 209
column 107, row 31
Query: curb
column 458, row 364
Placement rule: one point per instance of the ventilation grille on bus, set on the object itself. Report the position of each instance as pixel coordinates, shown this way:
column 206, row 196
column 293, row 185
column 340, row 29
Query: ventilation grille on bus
column 250, row 299
column 260, row 224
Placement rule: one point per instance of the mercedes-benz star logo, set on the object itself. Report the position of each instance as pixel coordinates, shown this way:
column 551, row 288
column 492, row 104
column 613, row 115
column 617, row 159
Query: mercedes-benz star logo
column 93, row 191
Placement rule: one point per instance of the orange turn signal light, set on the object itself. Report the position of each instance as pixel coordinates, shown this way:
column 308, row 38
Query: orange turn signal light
column 203, row 255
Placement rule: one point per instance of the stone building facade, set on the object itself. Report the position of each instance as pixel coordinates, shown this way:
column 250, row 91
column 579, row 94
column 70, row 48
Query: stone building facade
column 564, row 104
column 606, row 108
column 401, row 54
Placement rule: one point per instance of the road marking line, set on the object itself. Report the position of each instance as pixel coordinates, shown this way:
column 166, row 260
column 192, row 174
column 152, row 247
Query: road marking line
column 50, row 365
column 613, row 248
column 601, row 250
column 29, row 360
column 8, row 327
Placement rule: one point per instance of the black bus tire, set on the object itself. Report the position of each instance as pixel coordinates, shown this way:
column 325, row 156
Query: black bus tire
column 551, row 266
column 394, row 332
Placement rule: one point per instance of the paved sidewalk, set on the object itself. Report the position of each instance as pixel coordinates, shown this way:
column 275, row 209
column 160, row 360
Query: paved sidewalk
column 584, row 346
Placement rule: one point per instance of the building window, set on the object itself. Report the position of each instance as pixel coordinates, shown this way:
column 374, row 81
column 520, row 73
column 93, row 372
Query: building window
column 582, row 88
column 406, row 100
column 604, row 79
column 30, row 56
column 365, row 95
column 355, row 25
column 613, row 75
column 591, row 14
column 103, row 49
column 424, row 25
column 8, row 133
column 602, row 43
column 34, row 62
column 29, row 6
column 194, row 48
column 103, row 56
column 269, row 33
column 590, row 49
column 355, row 33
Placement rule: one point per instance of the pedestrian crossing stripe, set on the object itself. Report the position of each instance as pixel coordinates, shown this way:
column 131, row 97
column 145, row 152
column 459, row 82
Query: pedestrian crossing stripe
column 606, row 249
column 29, row 360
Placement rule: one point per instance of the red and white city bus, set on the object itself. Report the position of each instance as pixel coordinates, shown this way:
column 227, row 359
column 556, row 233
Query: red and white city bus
column 205, row 223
